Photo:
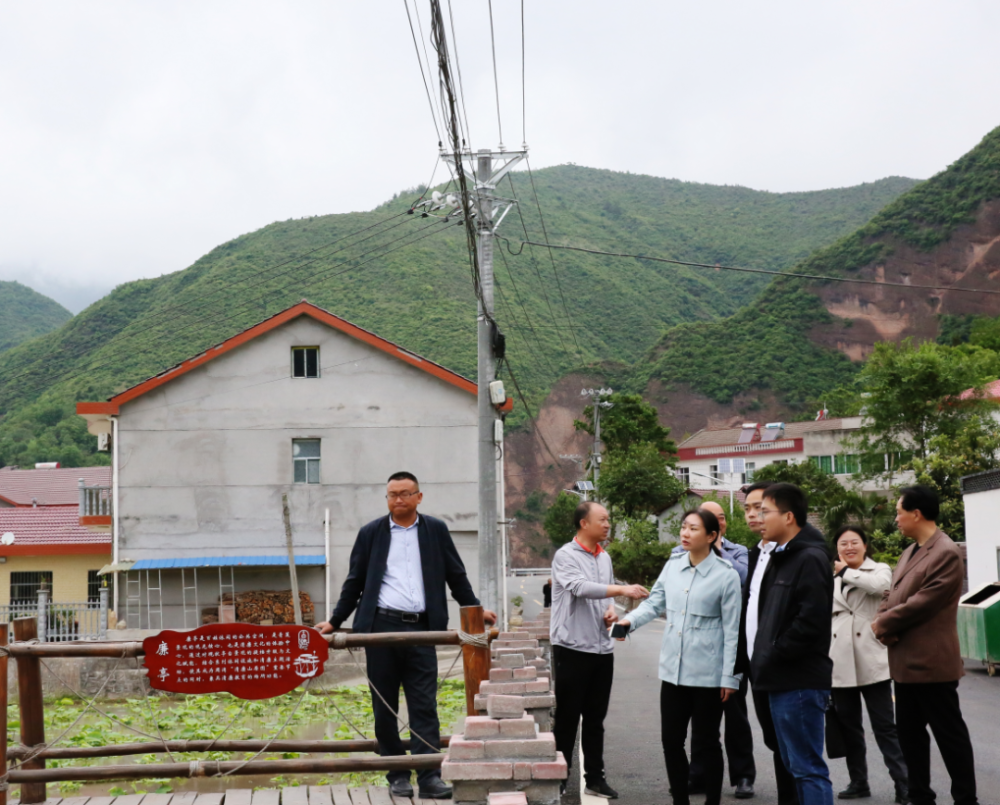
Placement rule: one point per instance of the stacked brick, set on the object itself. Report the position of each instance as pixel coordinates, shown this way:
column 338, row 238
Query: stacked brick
column 519, row 669
column 504, row 753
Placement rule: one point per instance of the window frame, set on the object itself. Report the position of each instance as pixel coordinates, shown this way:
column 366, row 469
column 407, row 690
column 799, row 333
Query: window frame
column 20, row 600
column 94, row 583
column 311, row 465
column 304, row 351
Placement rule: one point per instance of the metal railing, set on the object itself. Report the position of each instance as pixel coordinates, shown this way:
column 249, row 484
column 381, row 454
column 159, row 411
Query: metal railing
column 95, row 501
column 61, row 621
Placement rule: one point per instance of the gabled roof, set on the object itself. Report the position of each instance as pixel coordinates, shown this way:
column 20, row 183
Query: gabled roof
column 303, row 308
column 49, row 531
column 793, row 430
column 56, row 487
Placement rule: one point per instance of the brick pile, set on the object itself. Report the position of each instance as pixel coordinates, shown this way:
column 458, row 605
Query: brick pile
column 520, row 669
column 501, row 753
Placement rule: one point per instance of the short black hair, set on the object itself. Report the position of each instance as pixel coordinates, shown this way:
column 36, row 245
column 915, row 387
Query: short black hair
column 581, row 512
column 923, row 498
column 755, row 486
column 789, row 498
column 403, row 475
column 855, row 528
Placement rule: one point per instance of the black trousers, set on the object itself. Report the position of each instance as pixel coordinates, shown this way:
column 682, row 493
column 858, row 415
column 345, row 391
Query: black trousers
column 416, row 669
column 701, row 708
column 935, row 705
column 583, row 689
column 878, row 702
column 738, row 741
column 787, row 790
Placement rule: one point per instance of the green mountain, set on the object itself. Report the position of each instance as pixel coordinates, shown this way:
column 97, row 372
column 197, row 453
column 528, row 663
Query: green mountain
column 24, row 313
column 803, row 338
column 407, row 278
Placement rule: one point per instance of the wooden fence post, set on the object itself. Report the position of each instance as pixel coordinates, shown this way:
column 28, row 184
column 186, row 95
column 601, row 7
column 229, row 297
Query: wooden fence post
column 29, row 690
column 3, row 712
column 475, row 659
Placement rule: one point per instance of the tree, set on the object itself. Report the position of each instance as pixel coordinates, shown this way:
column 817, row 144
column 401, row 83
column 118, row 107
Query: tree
column 558, row 523
column 870, row 510
column 823, row 490
column 911, row 395
column 630, row 421
column 638, row 555
column 636, row 481
column 973, row 449
column 737, row 529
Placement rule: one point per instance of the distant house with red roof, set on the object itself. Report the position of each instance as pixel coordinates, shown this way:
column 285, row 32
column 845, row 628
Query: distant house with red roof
column 304, row 404
column 48, row 487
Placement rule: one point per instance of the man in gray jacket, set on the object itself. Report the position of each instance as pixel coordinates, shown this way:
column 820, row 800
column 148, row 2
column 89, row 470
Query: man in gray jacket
column 583, row 609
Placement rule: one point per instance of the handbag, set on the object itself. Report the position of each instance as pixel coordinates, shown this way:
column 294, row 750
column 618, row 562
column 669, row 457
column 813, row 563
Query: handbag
column 835, row 744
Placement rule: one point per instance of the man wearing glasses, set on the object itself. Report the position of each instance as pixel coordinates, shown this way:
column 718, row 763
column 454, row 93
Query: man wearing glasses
column 791, row 651
column 399, row 567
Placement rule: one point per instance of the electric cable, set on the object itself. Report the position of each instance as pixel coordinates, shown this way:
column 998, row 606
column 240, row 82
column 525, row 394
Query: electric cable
column 427, row 88
column 521, row 304
column 524, row 103
column 534, row 422
column 458, row 67
column 496, row 80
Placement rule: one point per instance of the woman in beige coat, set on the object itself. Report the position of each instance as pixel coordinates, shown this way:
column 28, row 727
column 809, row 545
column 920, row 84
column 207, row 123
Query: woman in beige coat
column 861, row 663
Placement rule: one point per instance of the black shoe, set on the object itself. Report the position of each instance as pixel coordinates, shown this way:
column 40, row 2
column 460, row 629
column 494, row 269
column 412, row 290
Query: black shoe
column 902, row 795
column 435, row 789
column 562, row 788
column 696, row 787
column 601, row 789
column 855, row 791
column 401, row 788
column 744, row 789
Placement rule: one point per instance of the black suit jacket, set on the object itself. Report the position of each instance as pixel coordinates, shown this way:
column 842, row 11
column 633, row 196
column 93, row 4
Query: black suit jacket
column 438, row 557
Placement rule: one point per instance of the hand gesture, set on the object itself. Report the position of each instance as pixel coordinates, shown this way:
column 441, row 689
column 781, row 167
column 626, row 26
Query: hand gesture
column 610, row 616
column 324, row 628
column 489, row 617
column 838, row 566
column 636, row 592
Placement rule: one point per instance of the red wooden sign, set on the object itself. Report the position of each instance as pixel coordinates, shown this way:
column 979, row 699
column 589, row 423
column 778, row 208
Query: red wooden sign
column 251, row 662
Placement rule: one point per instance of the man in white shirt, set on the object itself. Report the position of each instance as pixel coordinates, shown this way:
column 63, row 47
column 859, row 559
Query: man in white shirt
column 756, row 567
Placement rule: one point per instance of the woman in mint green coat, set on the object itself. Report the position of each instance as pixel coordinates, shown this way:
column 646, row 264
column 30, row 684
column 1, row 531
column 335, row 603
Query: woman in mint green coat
column 698, row 593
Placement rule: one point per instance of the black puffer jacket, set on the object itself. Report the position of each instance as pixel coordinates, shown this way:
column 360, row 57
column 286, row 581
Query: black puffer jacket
column 792, row 647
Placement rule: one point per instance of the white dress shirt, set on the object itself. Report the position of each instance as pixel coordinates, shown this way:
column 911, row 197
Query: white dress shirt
column 753, row 602
column 403, row 582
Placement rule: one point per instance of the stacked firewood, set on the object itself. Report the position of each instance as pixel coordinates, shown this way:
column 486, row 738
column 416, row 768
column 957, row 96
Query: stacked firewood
column 260, row 606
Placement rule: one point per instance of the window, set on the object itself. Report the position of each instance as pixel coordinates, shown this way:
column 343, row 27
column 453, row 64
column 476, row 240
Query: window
column 748, row 474
column 305, row 457
column 825, row 463
column 305, row 361
column 713, row 471
column 684, row 476
column 24, row 585
column 93, row 587
column 847, row 464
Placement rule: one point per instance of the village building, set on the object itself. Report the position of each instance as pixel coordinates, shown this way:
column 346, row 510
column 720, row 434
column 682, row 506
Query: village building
column 56, row 486
column 981, row 495
column 304, row 404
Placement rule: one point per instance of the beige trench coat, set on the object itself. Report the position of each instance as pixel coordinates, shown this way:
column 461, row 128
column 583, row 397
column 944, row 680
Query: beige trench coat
column 858, row 657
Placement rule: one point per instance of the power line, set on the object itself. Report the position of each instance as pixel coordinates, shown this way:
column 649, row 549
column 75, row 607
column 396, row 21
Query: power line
column 496, row 80
column 416, row 47
column 527, row 411
column 524, row 136
column 458, row 68
column 769, row 272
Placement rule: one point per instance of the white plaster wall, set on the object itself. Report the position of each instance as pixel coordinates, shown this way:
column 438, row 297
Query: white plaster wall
column 206, row 457
column 982, row 536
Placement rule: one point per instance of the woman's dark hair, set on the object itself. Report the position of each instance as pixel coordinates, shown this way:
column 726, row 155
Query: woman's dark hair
column 711, row 523
column 845, row 528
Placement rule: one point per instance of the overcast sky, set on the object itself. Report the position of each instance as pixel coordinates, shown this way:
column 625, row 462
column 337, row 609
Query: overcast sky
column 136, row 136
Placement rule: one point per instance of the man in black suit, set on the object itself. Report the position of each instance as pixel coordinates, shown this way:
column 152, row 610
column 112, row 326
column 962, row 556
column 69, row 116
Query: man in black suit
column 399, row 567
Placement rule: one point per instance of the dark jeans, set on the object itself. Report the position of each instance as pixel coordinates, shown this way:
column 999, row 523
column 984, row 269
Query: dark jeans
column 583, row 689
column 702, row 709
column 935, row 705
column 416, row 669
column 878, row 702
column 739, row 741
column 800, row 724
column 787, row 792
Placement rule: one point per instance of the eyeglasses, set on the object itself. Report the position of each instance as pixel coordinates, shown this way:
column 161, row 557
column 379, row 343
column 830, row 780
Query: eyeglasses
column 765, row 512
column 400, row 495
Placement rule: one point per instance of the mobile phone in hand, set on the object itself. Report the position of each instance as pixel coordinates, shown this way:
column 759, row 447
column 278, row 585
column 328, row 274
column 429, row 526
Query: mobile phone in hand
column 619, row 631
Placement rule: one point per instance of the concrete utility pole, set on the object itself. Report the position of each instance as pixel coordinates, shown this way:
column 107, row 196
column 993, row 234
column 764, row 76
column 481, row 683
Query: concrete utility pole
column 597, row 399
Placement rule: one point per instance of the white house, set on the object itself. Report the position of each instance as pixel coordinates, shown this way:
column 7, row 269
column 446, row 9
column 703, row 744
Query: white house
column 304, row 404
column 981, row 495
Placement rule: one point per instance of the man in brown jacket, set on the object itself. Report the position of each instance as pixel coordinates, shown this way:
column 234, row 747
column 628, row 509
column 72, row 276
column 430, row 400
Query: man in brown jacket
column 917, row 621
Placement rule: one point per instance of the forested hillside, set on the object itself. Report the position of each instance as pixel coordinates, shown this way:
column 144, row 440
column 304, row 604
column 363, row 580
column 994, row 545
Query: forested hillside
column 24, row 313
column 407, row 278
column 804, row 338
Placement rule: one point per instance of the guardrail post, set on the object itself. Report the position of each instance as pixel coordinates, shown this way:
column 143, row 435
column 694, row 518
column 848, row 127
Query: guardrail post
column 3, row 713
column 29, row 690
column 43, row 612
column 475, row 659
column 102, row 626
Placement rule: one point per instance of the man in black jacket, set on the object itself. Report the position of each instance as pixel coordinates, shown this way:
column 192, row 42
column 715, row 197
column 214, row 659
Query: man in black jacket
column 399, row 567
column 791, row 652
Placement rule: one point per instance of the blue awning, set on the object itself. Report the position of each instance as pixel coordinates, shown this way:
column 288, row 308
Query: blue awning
column 227, row 561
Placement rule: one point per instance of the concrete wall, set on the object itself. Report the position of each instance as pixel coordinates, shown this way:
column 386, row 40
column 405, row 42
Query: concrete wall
column 69, row 574
column 982, row 537
column 204, row 459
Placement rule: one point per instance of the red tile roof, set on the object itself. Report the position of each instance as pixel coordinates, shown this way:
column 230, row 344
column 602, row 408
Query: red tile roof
column 49, row 530
column 49, row 487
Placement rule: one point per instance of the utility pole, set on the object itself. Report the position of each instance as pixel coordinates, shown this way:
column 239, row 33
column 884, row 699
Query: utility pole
column 598, row 400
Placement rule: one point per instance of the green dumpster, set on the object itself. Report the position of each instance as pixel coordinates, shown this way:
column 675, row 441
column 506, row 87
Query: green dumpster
column 979, row 625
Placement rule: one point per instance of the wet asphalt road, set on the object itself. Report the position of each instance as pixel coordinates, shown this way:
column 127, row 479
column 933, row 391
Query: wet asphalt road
column 634, row 760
